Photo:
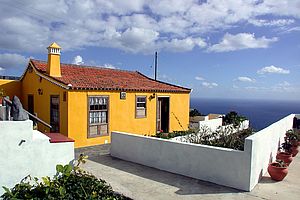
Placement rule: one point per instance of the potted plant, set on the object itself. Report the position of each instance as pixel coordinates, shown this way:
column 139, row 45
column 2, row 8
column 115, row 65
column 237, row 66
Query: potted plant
column 292, row 139
column 285, row 152
column 2, row 94
column 278, row 170
column 285, row 157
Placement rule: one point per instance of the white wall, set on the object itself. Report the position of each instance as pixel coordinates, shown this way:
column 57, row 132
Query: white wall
column 218, row 165
column 264, row 146
column 36, row 156
column 213, row 124
column 237, row 169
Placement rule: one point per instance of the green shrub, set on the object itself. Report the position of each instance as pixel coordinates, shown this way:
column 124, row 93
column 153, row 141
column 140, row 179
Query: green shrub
column 194, row 112
column 233, row 118
column 173, row 134
column 223, row 137
column 233, row 140
column 69, row 183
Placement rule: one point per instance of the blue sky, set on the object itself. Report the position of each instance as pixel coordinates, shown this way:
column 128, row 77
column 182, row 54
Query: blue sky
column 220, row 49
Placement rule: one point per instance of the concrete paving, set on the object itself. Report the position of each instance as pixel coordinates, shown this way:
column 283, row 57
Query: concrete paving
column 142, row 182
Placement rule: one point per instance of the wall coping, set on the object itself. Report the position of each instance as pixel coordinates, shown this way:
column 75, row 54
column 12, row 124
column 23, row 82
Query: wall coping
column 175, row 141
column 58, row 138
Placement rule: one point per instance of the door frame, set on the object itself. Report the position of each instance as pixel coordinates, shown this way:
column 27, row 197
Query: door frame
column 157, row 104
column 30, row 108
column 55, row 96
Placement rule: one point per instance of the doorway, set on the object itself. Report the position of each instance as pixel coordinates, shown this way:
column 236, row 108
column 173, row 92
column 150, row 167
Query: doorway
column 163, row 114
column 54, row 113
column 30, row 104
column 30, row 107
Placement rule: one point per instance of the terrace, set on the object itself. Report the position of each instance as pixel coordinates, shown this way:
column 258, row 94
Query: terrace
column 142, row 182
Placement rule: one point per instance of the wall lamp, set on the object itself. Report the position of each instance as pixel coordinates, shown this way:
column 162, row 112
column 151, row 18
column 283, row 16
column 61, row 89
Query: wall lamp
column 152, row 96
column 40, row 91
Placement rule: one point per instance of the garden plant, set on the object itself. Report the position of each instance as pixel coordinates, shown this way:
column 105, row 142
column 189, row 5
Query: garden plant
column 70, row 182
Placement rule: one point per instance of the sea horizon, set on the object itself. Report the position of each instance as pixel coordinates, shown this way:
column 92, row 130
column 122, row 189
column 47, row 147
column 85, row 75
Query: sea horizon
column 260, row 112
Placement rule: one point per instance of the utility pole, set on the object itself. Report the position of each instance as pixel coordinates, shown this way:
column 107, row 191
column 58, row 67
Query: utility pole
column 155, row 66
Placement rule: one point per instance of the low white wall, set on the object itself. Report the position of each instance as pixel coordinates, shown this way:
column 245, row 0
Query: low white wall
column 264, row 148
column 213, row 124
column 36, row 156
column 237, row 169
column 243, row 125
column 218, row 165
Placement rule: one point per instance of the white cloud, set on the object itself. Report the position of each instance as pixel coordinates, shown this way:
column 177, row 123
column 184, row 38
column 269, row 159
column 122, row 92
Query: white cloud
column 241, row 41
column 137, row 25
column 138, row 39
column 181, row 45
column 165, row 78
column 273, row 69
column 278, row 22
column 284, row 87
column 109, row 66
column 255, row 88
column 199, row 78
column 10, row 63
column 77, row 60
column 296, row 28
column 209, row 85
column 245, row 79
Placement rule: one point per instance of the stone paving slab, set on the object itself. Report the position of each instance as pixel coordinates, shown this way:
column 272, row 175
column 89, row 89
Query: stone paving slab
column 142, row 182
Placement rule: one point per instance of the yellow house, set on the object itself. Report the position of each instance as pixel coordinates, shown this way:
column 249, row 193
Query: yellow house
column 87, row 103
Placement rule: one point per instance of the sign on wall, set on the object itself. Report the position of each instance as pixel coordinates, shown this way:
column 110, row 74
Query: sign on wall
column 122, row 95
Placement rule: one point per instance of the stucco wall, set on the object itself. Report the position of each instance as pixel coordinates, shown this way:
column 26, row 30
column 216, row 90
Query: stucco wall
column 265, row 144
column 122, row 114
column 218, row 165
column 11, row 87
column 213, row 124
column 36, row 156
column 30, row 85
column 237, row 169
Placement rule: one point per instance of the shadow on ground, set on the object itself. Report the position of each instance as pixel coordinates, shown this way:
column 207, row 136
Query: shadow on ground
column 186, row 185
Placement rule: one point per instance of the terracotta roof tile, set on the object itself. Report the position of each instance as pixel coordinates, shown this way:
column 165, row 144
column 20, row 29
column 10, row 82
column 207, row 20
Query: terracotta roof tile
column 87, row 77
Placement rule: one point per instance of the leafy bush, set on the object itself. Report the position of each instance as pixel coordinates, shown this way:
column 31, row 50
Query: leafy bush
column 194, row 113
column 173, row 134
column 69, row 183
column 227, row 139
column 233, row 118
column 223, row 137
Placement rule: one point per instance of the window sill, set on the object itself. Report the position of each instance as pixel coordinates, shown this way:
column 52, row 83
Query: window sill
column 141, row 117
column 96, row 136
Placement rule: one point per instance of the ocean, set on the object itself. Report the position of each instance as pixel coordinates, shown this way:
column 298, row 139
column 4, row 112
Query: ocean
column 261, row 113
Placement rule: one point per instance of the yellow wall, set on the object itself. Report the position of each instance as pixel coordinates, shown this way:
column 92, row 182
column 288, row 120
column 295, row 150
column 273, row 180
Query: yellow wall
column 53, row 68
column 30, row 85
column 11, row 87
column 122, row 115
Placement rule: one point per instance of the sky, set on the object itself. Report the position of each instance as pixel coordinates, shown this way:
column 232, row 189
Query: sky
column 237, row 49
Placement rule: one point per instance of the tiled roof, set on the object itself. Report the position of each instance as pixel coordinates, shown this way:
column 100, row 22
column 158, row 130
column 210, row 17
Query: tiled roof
column 100, row 78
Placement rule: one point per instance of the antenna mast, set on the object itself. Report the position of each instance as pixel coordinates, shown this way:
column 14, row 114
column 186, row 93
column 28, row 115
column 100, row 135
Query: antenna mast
column 155, row 66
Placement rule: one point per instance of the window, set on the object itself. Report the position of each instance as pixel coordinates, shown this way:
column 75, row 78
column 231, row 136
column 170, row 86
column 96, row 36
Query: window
column 54, row 113
column 98, row 116
column 140, row 108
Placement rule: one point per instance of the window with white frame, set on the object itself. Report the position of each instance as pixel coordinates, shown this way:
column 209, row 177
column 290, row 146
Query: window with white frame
column 140, row 107
column 98, row 116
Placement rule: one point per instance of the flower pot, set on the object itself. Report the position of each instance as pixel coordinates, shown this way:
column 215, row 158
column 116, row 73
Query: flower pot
column 277, row 173
column 285, row 157
column 294, row 142
column 295, row 150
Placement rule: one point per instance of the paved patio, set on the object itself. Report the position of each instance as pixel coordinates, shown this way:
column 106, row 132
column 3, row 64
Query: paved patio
column 142, row 182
